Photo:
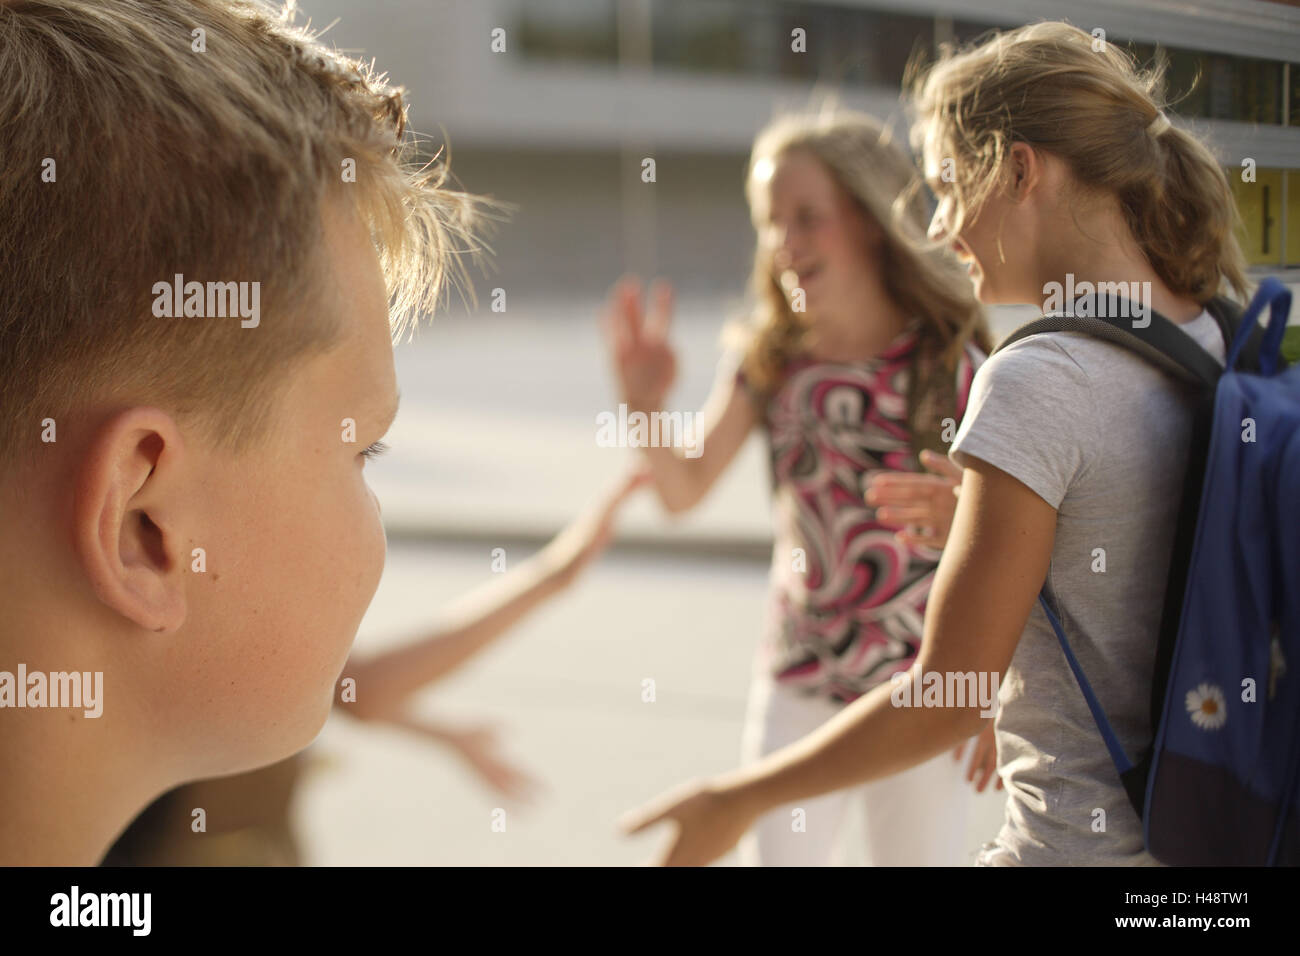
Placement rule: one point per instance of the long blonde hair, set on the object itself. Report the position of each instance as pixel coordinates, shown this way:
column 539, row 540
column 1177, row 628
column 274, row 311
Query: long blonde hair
column 1061, row 90
column 879, row 176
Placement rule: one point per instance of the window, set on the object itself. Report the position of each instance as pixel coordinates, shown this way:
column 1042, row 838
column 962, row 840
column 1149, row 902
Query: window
column 1219, row 86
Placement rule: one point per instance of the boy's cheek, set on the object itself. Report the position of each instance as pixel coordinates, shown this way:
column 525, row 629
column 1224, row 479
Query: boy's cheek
column 376, row 544
column 347, row 545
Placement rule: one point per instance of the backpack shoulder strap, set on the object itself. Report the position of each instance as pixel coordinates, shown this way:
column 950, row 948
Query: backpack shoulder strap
column 1165, row 346
column 1228, row 316
column 1160, row 342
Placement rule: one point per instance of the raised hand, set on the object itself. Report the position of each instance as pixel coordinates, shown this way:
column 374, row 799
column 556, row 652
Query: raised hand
column 644, row 363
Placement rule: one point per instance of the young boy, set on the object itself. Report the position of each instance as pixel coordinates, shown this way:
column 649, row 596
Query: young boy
column 207, row 217
column 249, row 816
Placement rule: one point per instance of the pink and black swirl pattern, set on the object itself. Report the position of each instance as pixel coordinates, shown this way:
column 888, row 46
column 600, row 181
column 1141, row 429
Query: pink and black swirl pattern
column 846, row 610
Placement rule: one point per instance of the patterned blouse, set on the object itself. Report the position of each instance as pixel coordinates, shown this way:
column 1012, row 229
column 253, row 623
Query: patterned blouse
column 847, row 599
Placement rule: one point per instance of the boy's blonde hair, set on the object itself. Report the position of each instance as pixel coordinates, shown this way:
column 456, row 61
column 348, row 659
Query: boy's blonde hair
column 878, row 175
column 1059, row 89
column 136, row 147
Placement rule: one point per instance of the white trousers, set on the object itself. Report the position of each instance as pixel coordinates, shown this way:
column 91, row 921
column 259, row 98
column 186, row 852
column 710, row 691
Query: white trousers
column 920, row 817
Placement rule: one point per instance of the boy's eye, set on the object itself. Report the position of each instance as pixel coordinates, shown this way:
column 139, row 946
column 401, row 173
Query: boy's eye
column 371, row 452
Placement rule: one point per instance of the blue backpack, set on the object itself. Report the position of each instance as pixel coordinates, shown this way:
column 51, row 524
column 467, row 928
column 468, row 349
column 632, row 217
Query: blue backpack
column 1218, row 786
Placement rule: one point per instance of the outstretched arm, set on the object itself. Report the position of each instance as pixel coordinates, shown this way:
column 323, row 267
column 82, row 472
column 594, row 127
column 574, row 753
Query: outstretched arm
column 995, row 563
column 385, row 682
column 922, row 506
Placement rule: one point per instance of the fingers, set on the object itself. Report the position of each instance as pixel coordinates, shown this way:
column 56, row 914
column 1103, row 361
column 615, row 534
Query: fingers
column 977, row 752
column 984, row 760
column 940, row 465
column 624, row 312
column 913, row 537
column 634, row 821
column 485, row 733
column 665, row 807
column 888, row 488
column 917, row 504
column 906, row 514
column 673, row 854
column 517, row 784
column 430, row 731
column 661, row 311
column 614, row 328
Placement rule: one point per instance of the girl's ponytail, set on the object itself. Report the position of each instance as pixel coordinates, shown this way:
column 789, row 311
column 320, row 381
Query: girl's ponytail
column 1180, row 209
column 1061, row 90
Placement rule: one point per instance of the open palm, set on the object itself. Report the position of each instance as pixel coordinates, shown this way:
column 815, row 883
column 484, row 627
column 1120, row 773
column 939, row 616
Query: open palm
column 644, row 363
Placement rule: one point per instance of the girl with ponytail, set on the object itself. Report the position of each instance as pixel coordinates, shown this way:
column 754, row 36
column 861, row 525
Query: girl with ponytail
column 1054, row 165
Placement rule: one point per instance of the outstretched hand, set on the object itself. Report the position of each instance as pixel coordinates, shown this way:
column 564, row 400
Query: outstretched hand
column 920, row 505
column 710, row 821
column 478, row 747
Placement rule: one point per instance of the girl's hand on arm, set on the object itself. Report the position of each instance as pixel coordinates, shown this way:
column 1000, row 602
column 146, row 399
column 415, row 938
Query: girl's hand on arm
column 921, row 505
column 985, row 587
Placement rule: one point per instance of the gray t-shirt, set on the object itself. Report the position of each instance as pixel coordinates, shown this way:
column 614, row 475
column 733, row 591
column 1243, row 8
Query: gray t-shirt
column 1102, row 437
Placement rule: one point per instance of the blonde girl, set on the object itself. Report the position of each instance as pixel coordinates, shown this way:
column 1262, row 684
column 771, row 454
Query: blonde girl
column 1065, row 168
column 860, row 352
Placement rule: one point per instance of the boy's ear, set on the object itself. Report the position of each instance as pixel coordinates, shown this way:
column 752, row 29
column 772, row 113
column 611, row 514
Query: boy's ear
column 125, row 532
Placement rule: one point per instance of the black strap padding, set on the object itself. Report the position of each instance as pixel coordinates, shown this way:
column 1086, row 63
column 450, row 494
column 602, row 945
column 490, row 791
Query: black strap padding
column 1181, row 555
column 1161, row 343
